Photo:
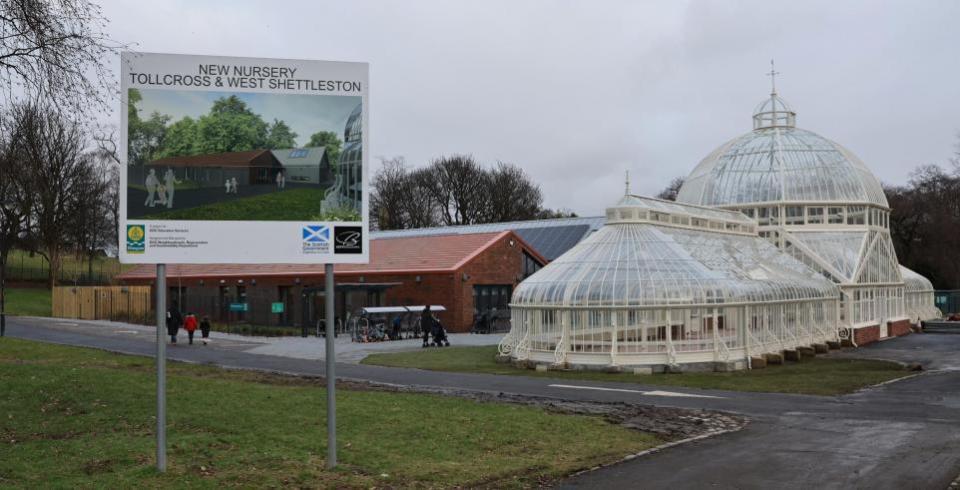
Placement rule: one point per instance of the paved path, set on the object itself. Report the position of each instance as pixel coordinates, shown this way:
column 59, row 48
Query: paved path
column 312, row 348
column 900, row 435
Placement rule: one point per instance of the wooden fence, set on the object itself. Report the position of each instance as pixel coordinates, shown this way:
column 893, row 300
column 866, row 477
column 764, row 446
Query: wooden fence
column 131, row 304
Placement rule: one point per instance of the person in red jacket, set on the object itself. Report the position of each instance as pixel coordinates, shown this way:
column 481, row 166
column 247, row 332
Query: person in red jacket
column 190, row 325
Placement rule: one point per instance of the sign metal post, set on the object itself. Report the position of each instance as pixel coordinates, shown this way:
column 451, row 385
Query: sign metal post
column 329, row 372
column 161, row 368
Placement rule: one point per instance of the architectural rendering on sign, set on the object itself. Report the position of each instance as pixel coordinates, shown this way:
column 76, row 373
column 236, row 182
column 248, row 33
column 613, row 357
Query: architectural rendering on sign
column 223, row 153
column 779, row 239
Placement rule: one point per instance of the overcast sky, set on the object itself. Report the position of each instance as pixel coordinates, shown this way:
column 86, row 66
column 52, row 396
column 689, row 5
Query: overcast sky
column 578, row 92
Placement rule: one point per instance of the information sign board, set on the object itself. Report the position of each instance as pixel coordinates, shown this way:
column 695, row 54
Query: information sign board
column 243, row 160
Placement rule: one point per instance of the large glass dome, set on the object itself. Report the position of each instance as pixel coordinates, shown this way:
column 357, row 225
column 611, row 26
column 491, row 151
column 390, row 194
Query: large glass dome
column 778, row 162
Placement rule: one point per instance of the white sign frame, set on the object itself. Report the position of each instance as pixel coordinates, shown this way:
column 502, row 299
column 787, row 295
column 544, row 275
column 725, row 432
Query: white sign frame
column 242, row 242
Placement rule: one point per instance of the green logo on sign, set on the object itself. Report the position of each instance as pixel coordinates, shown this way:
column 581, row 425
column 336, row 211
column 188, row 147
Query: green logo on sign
column 276, row 307
column 136, row 239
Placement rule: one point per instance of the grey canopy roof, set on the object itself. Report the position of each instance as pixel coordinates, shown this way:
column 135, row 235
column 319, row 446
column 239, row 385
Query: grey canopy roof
column 549, row 237
column 779, row 162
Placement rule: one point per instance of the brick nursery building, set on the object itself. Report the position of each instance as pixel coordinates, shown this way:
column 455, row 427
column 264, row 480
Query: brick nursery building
column 465, row 273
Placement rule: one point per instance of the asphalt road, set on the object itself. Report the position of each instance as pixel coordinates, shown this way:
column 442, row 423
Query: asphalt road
column 900, row 435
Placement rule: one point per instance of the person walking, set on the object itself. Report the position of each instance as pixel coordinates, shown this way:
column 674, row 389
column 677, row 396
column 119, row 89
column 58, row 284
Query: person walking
column 205, row 330
column 426, row 324
column 151, row 184
column 174, row 320
column 190, row 325
column 170, row 181
column 397, row 330
column 280, row 180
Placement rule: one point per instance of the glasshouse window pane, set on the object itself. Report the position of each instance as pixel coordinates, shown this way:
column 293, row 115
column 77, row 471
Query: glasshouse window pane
column 794, row 215
column 815, row 216
column 763, row 216
column 835, row 216
column 855, row 215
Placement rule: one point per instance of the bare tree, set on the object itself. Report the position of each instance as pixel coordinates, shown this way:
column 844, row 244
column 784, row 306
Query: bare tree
column 93, row 227
column 387, row 196
column 672, row 190
column 106, row 152
column 419, row 207
column 924, row 219
column 556, row 213
column 56, row 50
column 60, row 170
column 16, row 198
column 458, row 187
column 453, row 191
column 512, row 196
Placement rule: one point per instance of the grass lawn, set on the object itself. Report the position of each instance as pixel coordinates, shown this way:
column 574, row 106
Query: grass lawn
column 28, row 301
column 292, row 205
column 73, row 417
column 819, row 376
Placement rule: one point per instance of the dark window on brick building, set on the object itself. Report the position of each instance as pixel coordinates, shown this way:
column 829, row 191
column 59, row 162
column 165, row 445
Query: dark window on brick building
column 494, row 300
column 488, row 297
column 530, row 265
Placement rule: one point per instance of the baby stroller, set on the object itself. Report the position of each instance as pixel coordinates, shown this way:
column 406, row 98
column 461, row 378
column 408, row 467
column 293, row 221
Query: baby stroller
column 439, row 334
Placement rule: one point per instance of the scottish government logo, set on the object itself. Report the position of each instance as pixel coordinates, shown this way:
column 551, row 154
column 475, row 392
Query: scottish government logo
column 136, row 239
column 347, row 240
column 316, row 239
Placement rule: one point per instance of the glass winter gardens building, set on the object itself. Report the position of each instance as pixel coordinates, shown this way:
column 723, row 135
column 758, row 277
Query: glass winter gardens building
column 779, row 239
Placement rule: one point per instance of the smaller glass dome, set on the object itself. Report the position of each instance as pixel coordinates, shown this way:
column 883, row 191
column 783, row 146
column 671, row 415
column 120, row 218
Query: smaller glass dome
column 918, row 298
column 641, row 260
column 774, row 113
column 914, row 282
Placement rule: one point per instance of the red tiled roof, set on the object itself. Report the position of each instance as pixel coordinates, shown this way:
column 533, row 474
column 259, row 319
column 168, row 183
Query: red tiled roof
column 229, row 159
column 442, row 253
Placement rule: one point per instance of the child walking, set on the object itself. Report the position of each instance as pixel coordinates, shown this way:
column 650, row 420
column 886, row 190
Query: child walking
column 190, row 325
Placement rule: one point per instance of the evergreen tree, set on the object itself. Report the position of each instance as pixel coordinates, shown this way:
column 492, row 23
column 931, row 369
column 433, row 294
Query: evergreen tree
column 281, row 136
column 331, row 141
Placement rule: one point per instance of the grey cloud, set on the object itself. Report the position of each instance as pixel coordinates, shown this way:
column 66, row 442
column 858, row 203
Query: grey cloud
column 576, row 92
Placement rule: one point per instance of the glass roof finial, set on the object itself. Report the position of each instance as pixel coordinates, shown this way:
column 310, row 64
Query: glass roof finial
column 626, row 192
column 774, row 111
column 773, row 79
